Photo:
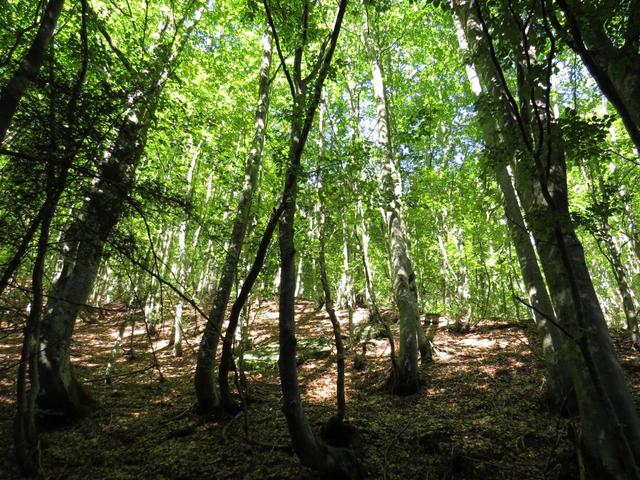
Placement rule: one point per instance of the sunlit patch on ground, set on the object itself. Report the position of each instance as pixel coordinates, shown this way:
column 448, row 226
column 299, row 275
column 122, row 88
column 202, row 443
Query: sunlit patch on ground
column 480, row 414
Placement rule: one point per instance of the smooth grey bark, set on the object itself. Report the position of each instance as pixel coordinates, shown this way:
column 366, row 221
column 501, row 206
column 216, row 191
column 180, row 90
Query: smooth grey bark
column 345, row 290
column 375, row 318
column 404, row 379
column 82, row 252
column 361, row 233
column 335, row 424
column 204, row 381
column 561, row 392
column 609, row 439
column 446, row 267
column 14, row 90
column 362, row 238
column 85, row 239
column 613, row 63
column 114, row 352
column 181, row 269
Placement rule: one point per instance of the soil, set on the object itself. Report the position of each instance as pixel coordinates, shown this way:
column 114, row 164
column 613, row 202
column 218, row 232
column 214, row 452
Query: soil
column 481, row 413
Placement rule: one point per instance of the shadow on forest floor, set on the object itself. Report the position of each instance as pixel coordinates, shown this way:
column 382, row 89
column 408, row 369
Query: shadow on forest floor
column 480, row 415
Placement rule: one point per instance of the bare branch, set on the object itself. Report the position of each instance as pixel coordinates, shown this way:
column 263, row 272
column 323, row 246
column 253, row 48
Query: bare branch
column 276, row 38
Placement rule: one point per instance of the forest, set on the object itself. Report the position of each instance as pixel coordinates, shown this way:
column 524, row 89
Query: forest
column 341, row 239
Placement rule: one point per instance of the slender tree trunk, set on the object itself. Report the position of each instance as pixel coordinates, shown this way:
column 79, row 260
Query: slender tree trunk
column 14, row 263
column 226, row 361
column 335, row 323
column 306, row 94
column 299, row 280
column 361, row 233
column 82, row 256
column 182, row 268
column 335, row 424
column 375, row 318
column 89, row 232
column 465, row 312
column 561, row 391
column 13, row 92
column 27, row 445
column 404, row 380
column 304, row 442
column 626, row 293
column 206, row 392
column 363, row 237
column 114, row 352
column 446, row 270
column 345, row 294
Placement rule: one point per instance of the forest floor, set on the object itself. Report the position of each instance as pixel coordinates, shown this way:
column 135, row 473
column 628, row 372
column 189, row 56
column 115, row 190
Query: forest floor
column 481, row 413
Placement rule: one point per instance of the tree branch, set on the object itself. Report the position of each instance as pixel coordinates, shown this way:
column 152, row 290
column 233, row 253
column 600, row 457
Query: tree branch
column 276, row 39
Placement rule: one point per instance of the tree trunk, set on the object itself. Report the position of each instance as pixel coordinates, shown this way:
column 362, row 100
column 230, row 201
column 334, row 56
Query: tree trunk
column 610, row 434
column 181, row 270
column 27, row 445
column 114, row 352
column 82, row 255
column 306, row 95
column 615, row 67
column 206, row 392
column 226, row 361
column 561, row 391
column 13, row 92
column 626, row 293
column 345, row 291
column 404, row 380
column 87, row 236
column 335, row 323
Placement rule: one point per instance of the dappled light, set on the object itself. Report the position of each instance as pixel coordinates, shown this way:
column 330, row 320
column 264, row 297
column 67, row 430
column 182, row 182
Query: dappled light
column 471, row 418
column 338, row 239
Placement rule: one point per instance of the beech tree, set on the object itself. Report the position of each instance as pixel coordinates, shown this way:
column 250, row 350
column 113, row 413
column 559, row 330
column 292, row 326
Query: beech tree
column 206, row 391
column 305, row 95
column 610, row 423
column 610, row 54
column 86, row 237
column 405, row 376
column 561, row 389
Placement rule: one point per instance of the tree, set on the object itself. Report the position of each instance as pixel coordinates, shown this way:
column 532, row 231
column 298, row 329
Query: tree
column 610, row 426
column 13, row 91
column 561, row 391
column 86, row 237
column 206, row 392
column 588, row 148
column 612, row 57
column 405, row 378
column 305, row 96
